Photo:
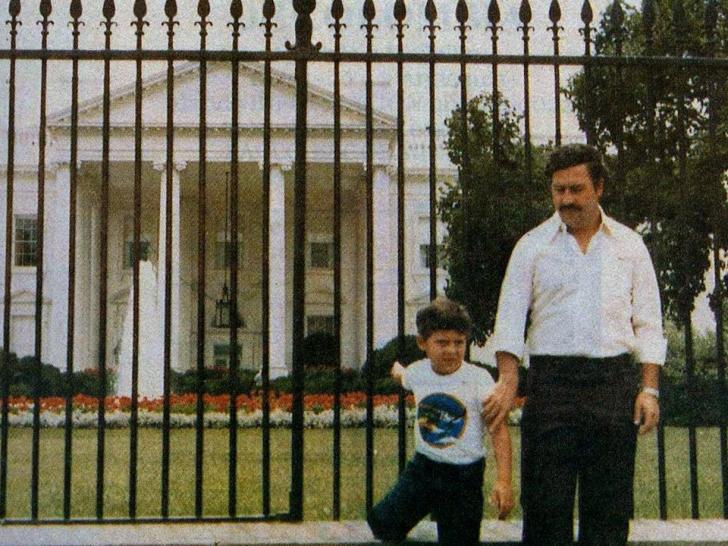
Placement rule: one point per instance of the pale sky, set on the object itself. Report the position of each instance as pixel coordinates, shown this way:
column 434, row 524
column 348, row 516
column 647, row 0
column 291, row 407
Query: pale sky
column 416, row 76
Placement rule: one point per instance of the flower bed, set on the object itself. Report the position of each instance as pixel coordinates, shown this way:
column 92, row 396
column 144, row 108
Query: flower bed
column 318, row 411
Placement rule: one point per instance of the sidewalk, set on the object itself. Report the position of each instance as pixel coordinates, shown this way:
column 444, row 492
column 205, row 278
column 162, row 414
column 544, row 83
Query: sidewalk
column 644, row 532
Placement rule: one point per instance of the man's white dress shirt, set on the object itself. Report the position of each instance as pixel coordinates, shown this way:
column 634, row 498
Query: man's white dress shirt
column 601, row 303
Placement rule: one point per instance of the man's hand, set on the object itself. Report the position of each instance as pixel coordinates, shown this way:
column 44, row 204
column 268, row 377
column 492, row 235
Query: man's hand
column 500, row 401
column 646, row 412
column 502, row 499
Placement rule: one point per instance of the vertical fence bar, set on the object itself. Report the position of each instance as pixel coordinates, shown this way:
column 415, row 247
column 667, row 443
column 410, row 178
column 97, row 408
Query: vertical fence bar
column 494, row 18
column 305, row 48
column 170, row 10
column 400, row 12
column 76, row 11
column 461, row 15
column 711, row 21
column 679, row 21
column 203, row 10
column 587, row 16
column 108, row 11
column 337, row 12
column 233, row 331
column 14, row 11
column 524, row 15
column 555, row 17
column 432, row 28
column 648, row 23
column 617, row 21
column 45, row 11
column 685, row 302
column 269, row 10
column 140, row 11
column 369, row 13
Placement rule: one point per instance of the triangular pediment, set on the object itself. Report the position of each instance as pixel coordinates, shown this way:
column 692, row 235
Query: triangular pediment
column 26, row 297
column 219, row 107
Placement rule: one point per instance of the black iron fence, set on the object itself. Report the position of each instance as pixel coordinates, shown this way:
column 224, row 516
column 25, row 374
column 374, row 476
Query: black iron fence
column 709, row 64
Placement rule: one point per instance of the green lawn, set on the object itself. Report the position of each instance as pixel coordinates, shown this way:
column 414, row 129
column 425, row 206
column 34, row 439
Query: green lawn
column 318, row 473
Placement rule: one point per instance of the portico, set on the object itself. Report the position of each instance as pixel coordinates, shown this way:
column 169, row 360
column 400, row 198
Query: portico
column 185, row 231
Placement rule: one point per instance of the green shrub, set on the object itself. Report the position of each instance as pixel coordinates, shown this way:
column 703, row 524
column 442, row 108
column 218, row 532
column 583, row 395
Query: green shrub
column 216, row 381
column 384, row 358
column 53, row 381
column 322, row 380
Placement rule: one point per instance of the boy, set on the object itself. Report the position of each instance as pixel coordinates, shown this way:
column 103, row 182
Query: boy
column 445, row 477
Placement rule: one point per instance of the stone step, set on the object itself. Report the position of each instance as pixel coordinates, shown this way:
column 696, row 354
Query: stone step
column 319, row 533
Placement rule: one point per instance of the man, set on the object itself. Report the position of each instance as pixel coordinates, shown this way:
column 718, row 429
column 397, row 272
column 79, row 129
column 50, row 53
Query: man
column 588, row 288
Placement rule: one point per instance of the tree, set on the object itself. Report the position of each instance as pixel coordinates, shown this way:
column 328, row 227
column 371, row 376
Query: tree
column 668, row 166
column 502, row 202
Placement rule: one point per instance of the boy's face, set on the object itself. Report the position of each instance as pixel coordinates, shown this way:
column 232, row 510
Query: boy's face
column 445, row 348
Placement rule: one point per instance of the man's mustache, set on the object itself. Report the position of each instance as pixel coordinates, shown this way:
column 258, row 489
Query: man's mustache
column 574, row 208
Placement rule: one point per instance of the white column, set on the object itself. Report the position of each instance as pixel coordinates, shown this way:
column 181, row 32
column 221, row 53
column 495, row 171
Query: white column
column 385, row 259
column 161, row 254
column 57, row 227
column 277, row 272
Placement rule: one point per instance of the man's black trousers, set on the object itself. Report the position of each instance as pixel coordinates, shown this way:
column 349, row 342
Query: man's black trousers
column 452, row 493
column 577, row 428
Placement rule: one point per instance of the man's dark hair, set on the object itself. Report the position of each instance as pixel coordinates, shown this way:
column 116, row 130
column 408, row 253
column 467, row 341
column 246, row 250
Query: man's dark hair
column 572, row 155
column 443, row 314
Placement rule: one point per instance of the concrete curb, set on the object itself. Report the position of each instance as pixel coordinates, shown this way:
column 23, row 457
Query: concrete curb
column 644, row 533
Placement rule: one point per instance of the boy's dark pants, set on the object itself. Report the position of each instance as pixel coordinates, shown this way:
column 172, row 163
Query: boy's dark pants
column 453, row 494
column 577, row 426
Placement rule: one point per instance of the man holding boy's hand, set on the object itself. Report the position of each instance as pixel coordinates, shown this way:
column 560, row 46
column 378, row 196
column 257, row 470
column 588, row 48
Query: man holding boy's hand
column 587, row 286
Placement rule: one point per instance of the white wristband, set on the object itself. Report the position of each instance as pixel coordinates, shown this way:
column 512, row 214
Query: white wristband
column 651, row 390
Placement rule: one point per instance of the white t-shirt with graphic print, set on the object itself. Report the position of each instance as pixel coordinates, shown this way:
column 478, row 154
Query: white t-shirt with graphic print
column 449, row 427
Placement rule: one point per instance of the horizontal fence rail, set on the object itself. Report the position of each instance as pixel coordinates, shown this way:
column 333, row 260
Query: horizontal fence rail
column 301, row 226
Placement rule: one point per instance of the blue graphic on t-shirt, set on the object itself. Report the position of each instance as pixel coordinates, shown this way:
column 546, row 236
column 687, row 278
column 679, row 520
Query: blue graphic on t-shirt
column 441, row 419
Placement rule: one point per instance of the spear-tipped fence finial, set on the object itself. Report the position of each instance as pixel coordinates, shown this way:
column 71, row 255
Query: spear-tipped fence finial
column 140, row 9
column 46, row 8
column 400, row 11
column 525, row 14
column 494, row 14
column 14, row 8
column 76, row 9
column 461, row 12
column 203, row 9
column 337, row 10
column 554, row 12
column 269, row 9
column 170, row 9
column 109, row 9
column 587, row 14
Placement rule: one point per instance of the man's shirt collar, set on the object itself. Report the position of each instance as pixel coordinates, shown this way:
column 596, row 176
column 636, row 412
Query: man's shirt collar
column 558, row 226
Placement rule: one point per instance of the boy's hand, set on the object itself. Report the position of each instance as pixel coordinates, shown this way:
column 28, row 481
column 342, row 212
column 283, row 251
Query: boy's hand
column 502, row 499
column 397, row 372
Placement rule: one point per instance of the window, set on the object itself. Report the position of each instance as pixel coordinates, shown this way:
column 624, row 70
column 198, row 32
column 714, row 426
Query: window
column 425, row 256
column 144, row 249
column 224, row 254
column 26, row 241
column 321, row 254
column 320, row 323
column 221, row 355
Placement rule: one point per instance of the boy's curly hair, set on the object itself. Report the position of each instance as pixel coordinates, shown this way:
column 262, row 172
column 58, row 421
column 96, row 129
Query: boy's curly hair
column 443, row 314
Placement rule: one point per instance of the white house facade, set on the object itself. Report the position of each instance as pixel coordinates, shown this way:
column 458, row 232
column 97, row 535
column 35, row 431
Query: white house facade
column 185, row 199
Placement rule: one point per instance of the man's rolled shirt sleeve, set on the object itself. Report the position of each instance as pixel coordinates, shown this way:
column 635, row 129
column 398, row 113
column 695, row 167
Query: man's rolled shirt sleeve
column 514, row 302
column 651, row 345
